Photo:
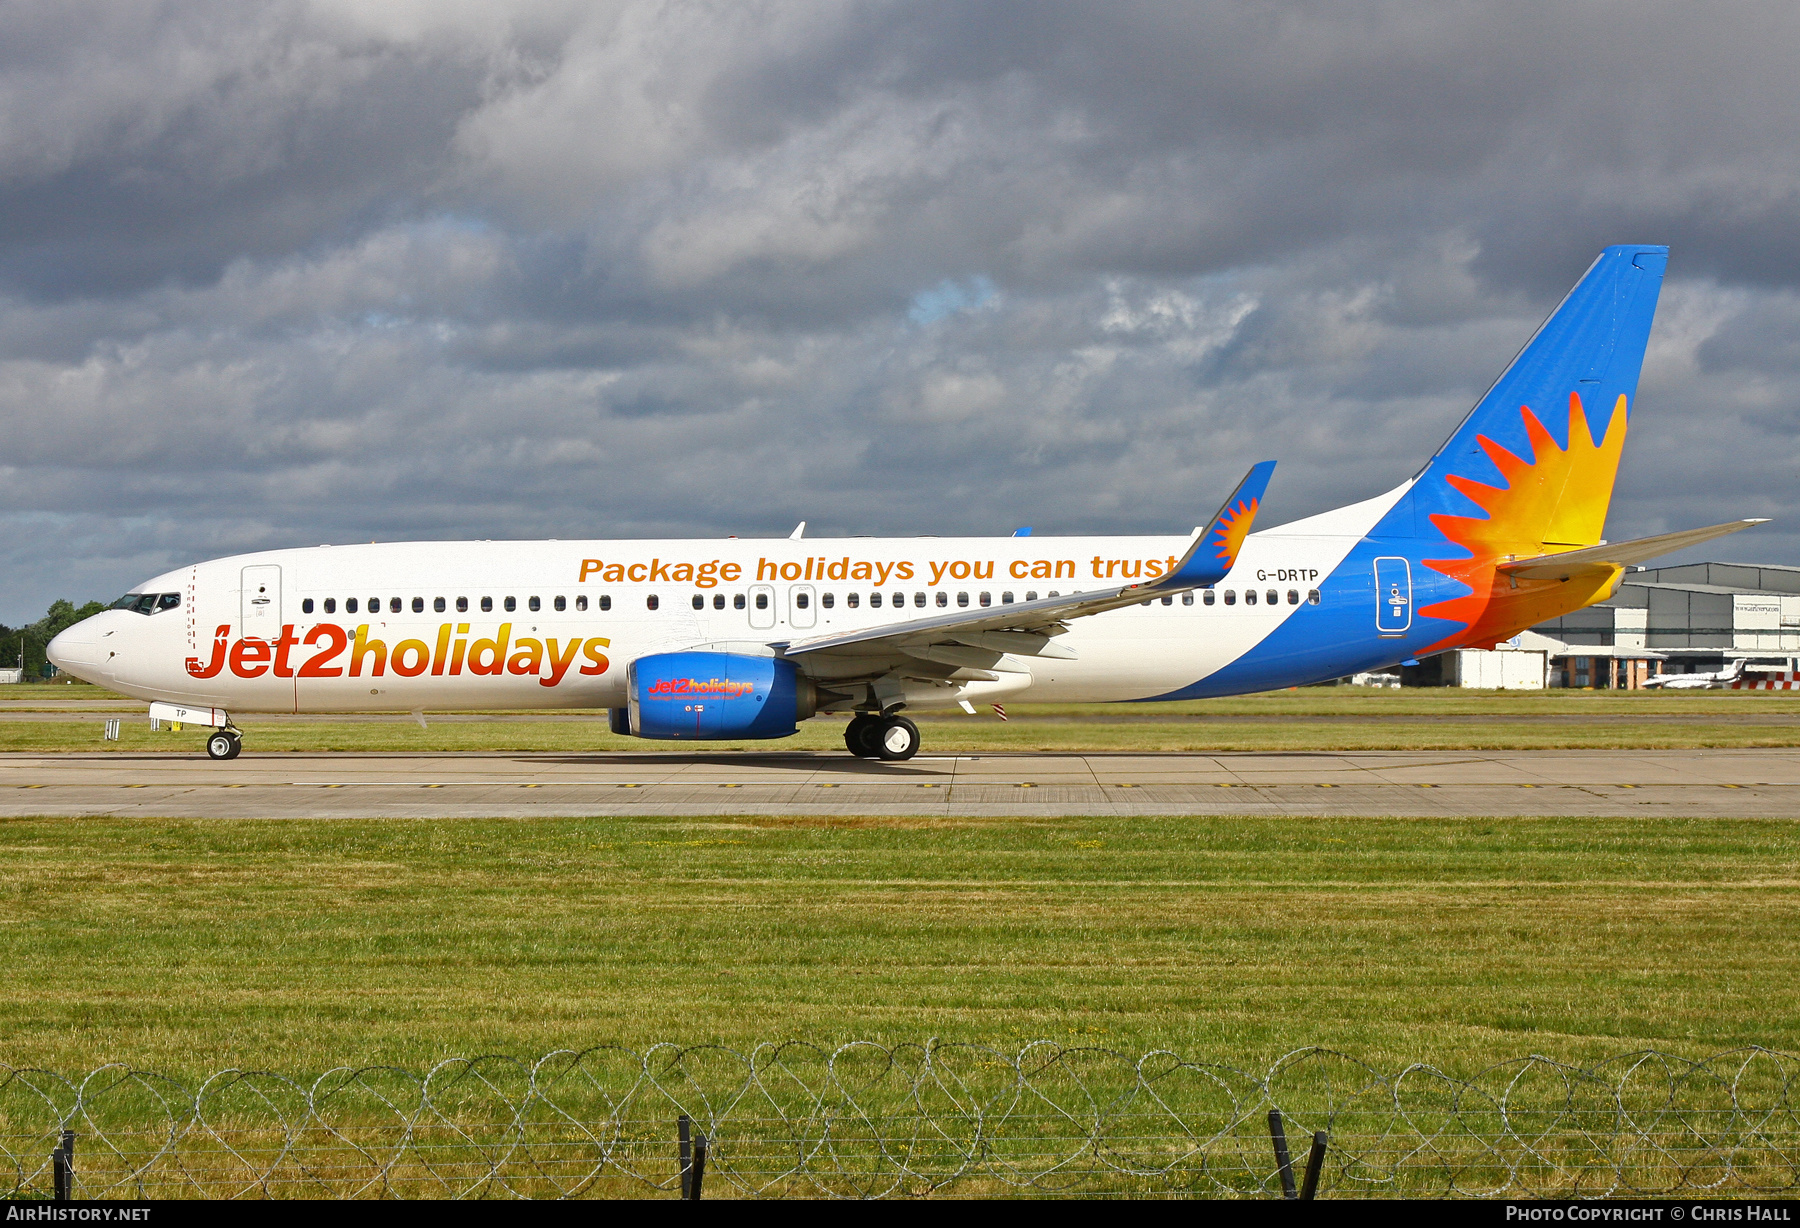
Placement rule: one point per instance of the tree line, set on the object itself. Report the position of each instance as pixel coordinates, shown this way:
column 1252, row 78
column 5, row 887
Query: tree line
column 25, row 645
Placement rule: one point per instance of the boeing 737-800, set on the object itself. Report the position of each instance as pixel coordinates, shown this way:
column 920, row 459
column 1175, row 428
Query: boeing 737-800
column 739, row 639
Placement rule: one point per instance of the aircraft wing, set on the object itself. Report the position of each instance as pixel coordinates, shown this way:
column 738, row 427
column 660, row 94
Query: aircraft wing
column 1026, row 627
column 1617, row 554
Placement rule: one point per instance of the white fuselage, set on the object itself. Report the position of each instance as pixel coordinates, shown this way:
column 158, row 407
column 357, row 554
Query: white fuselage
column 549, row 624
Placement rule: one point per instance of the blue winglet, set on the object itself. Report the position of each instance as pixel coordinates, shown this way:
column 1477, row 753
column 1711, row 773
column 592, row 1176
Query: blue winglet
column 1216, row 547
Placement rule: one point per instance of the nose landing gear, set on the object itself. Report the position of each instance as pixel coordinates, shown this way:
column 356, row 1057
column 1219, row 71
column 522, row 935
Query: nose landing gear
column 893, row 738
column 224, row 744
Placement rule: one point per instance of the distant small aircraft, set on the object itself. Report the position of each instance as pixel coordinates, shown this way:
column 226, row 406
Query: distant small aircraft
column 1719, row 680
column 737, row 639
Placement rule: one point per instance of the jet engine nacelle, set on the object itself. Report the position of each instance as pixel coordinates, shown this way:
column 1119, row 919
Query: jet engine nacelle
column 704, row 696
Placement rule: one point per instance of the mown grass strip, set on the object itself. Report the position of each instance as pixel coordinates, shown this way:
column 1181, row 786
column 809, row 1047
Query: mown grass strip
column 299, row 945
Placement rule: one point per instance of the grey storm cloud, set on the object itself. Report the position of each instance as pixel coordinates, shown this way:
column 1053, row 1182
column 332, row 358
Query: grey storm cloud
column 286, row 273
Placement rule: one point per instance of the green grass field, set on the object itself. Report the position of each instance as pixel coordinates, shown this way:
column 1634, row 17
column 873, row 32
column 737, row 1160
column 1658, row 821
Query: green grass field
column 187, row 946
column 1309, row 719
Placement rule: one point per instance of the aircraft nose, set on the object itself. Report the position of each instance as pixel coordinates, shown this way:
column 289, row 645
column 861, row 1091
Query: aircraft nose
column 74, row 648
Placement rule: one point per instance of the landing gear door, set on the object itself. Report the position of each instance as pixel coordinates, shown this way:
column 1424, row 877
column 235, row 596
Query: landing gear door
column 1393, row 596
column 762, row 606
column 261, row 610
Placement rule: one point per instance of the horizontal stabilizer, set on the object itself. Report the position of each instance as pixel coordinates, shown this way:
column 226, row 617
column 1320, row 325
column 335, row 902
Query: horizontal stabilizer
column 1618, row 554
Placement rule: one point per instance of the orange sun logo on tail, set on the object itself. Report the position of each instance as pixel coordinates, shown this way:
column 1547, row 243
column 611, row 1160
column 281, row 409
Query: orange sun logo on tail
column 1234, row 527
column 1554, row 501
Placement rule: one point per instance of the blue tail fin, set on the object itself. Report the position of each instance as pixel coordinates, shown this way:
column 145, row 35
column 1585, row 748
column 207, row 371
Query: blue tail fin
column 1532, row 466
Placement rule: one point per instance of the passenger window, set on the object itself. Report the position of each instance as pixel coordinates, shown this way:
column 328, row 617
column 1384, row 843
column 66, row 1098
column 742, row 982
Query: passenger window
column 853, row 600
column 1230, row 597
column 650, row 602
column 306, row 606
column 943, row 599
column 962, row 599
column 801, row 601
column 1312, row 596
column 718, row 601
column 1272, row 597
column 511, row 604
column 418, row 605
column 374, row 605
column 1293, row 596
column 762, row 601
column 331, row 605
column 827, row 600
column 349, row 605
column 699, row 602
column 394, row 605
column 462, row 605
column 487, row 605
column 1006, row 599
column 1054, row 593
column 1031, row 594
column 437, row 604
column 1249, row 597
column 1187, row 598
column 605, row 601
column 737, row 601
column 581, row 602
column 987, row 599
column 919, row 600
column 874, row 601
column 1169, row 600
column 561, row 604
column 533, row 604
column 1207, row 597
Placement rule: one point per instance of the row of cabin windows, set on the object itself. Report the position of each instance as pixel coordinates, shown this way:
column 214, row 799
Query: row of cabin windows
column 897, row 600
column 397, row 605
column 440, row 605
column 1270, row 597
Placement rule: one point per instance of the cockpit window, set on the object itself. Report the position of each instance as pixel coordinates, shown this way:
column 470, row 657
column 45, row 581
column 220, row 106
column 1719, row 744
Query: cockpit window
column 147, row 603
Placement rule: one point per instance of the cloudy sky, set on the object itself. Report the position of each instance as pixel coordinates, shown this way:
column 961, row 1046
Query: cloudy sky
column 288, row 273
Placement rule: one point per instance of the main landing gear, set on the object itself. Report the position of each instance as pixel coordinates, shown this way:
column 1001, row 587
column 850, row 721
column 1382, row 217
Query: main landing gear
column 893, row 738
column 224, row 743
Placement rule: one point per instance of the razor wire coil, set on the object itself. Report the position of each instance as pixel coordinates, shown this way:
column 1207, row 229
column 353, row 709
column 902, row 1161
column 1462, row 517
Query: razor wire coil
column 866, row 1120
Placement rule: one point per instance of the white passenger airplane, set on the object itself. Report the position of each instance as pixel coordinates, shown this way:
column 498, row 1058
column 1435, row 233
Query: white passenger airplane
column 734, row 639
column 1720, row 680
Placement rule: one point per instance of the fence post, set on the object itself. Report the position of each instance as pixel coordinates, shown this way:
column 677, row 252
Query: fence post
column 1315, row 1164
column 62, row 1168
column 699, row 1165
column 1283, row 1162
column 683, row 1131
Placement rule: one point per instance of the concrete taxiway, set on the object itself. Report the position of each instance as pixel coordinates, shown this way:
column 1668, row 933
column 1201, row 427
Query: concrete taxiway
column 1685, row 783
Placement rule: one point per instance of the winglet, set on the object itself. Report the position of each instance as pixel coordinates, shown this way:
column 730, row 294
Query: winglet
column 1215, row 548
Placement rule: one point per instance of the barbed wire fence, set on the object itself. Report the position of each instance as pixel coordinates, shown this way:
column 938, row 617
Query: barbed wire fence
column 865, row 1120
